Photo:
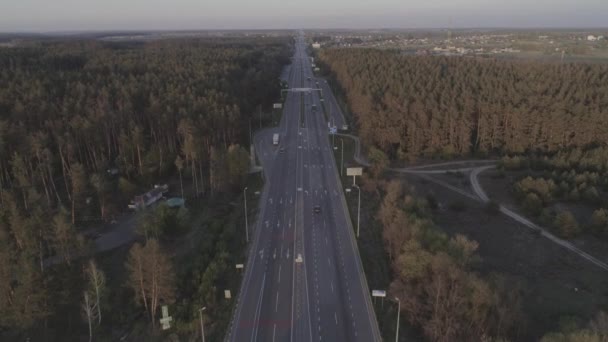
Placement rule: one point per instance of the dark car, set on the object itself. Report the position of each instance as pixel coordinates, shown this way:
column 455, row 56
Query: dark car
column 281, row 150
column 316, row 209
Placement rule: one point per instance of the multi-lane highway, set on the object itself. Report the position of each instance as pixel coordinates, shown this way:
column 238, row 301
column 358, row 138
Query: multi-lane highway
column 303, row 279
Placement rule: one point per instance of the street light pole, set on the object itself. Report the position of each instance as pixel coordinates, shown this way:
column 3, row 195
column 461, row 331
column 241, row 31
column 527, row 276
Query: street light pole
column 342, row 161
column 246, row 224
column 398, row 313
column 358, row 208
column 200, row 312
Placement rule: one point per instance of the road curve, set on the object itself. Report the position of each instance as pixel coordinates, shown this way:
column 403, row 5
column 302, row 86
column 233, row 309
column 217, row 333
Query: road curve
column 515, row 216
column 475, row 171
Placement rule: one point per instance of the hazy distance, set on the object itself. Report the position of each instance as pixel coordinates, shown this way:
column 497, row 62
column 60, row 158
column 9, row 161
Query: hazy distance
column 75, row 15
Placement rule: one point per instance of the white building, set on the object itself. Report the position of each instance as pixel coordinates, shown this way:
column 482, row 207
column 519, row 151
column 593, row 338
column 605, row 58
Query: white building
column 591, row 38
column 316, row 45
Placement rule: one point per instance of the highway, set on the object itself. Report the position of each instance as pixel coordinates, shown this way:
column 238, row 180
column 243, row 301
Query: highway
column 303, row 280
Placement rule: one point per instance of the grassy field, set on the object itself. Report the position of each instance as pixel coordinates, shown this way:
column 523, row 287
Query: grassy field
column 557, row 285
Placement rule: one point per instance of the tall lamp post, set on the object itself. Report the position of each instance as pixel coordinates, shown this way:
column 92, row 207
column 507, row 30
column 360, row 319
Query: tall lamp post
column 342, row 161
column 358, row 208
column 398, row 313
column 246, row 224
column 200, row 312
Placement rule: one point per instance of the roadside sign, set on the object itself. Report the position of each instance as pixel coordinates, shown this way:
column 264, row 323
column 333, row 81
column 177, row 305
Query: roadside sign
column 347, row 189
column 277, row 106
column 354, row 171
column 227, row 294
column 166, row 319
column 378, row 293
column 333, row 130
column 239, row 266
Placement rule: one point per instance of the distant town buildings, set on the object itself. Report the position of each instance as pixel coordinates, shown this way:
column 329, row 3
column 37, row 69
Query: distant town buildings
column 316, row 45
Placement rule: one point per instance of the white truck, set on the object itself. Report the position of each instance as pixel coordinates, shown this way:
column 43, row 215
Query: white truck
column 275, row 139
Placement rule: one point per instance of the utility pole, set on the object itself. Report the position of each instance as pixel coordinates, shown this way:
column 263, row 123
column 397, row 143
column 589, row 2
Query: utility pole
column 200, row 312
column 246, row 224
column 358, row 208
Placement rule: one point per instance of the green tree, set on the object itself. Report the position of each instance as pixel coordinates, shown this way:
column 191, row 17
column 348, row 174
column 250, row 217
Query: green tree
column 237, row 161
column 66, row 242
column 101, row 188
column 79, row 187
column 379, row 161
column 533, row 204
column 567, row 225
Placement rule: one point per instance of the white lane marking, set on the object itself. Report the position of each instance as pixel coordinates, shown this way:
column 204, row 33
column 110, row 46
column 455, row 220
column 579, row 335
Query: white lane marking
column 274, row 331
column 257, row 311
column 336, row 318
column 276, row 305
column 279, row 281
column 332, row 286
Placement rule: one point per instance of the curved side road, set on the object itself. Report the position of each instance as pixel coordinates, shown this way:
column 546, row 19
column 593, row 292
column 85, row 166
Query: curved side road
column 423, row 171
column 484, row 198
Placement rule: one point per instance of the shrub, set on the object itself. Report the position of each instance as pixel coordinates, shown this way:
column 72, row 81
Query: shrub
column 542, row 187
column 599, row 221
column 567, row 225
column 432, row 202
column 533, row 204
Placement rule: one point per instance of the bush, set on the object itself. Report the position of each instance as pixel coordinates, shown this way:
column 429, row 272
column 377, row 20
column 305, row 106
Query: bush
column 512, row 163
column 599, row 221
column 533, row 204
column 567, row 225
column 432, row 202
column 542, row 187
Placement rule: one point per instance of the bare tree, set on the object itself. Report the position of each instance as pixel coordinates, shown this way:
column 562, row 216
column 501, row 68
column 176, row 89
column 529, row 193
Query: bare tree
column 151, row 276
column 88, row 308
column 96, row 286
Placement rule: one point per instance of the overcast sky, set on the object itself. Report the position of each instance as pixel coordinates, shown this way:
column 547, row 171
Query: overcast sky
column 68, row 15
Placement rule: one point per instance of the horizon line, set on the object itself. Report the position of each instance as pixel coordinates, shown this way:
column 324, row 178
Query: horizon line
column 153, row 30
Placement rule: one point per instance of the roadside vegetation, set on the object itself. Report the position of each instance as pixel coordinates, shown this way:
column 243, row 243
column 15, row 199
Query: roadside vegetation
column 84, row 126
column 550, row 182
column 413, row 106
column 410, row 108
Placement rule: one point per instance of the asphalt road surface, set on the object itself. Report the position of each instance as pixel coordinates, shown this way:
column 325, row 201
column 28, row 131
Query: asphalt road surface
column 303, row 280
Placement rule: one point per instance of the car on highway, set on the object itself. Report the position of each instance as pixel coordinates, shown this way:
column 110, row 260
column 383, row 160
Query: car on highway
column 316, row 209
column 282, row 150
